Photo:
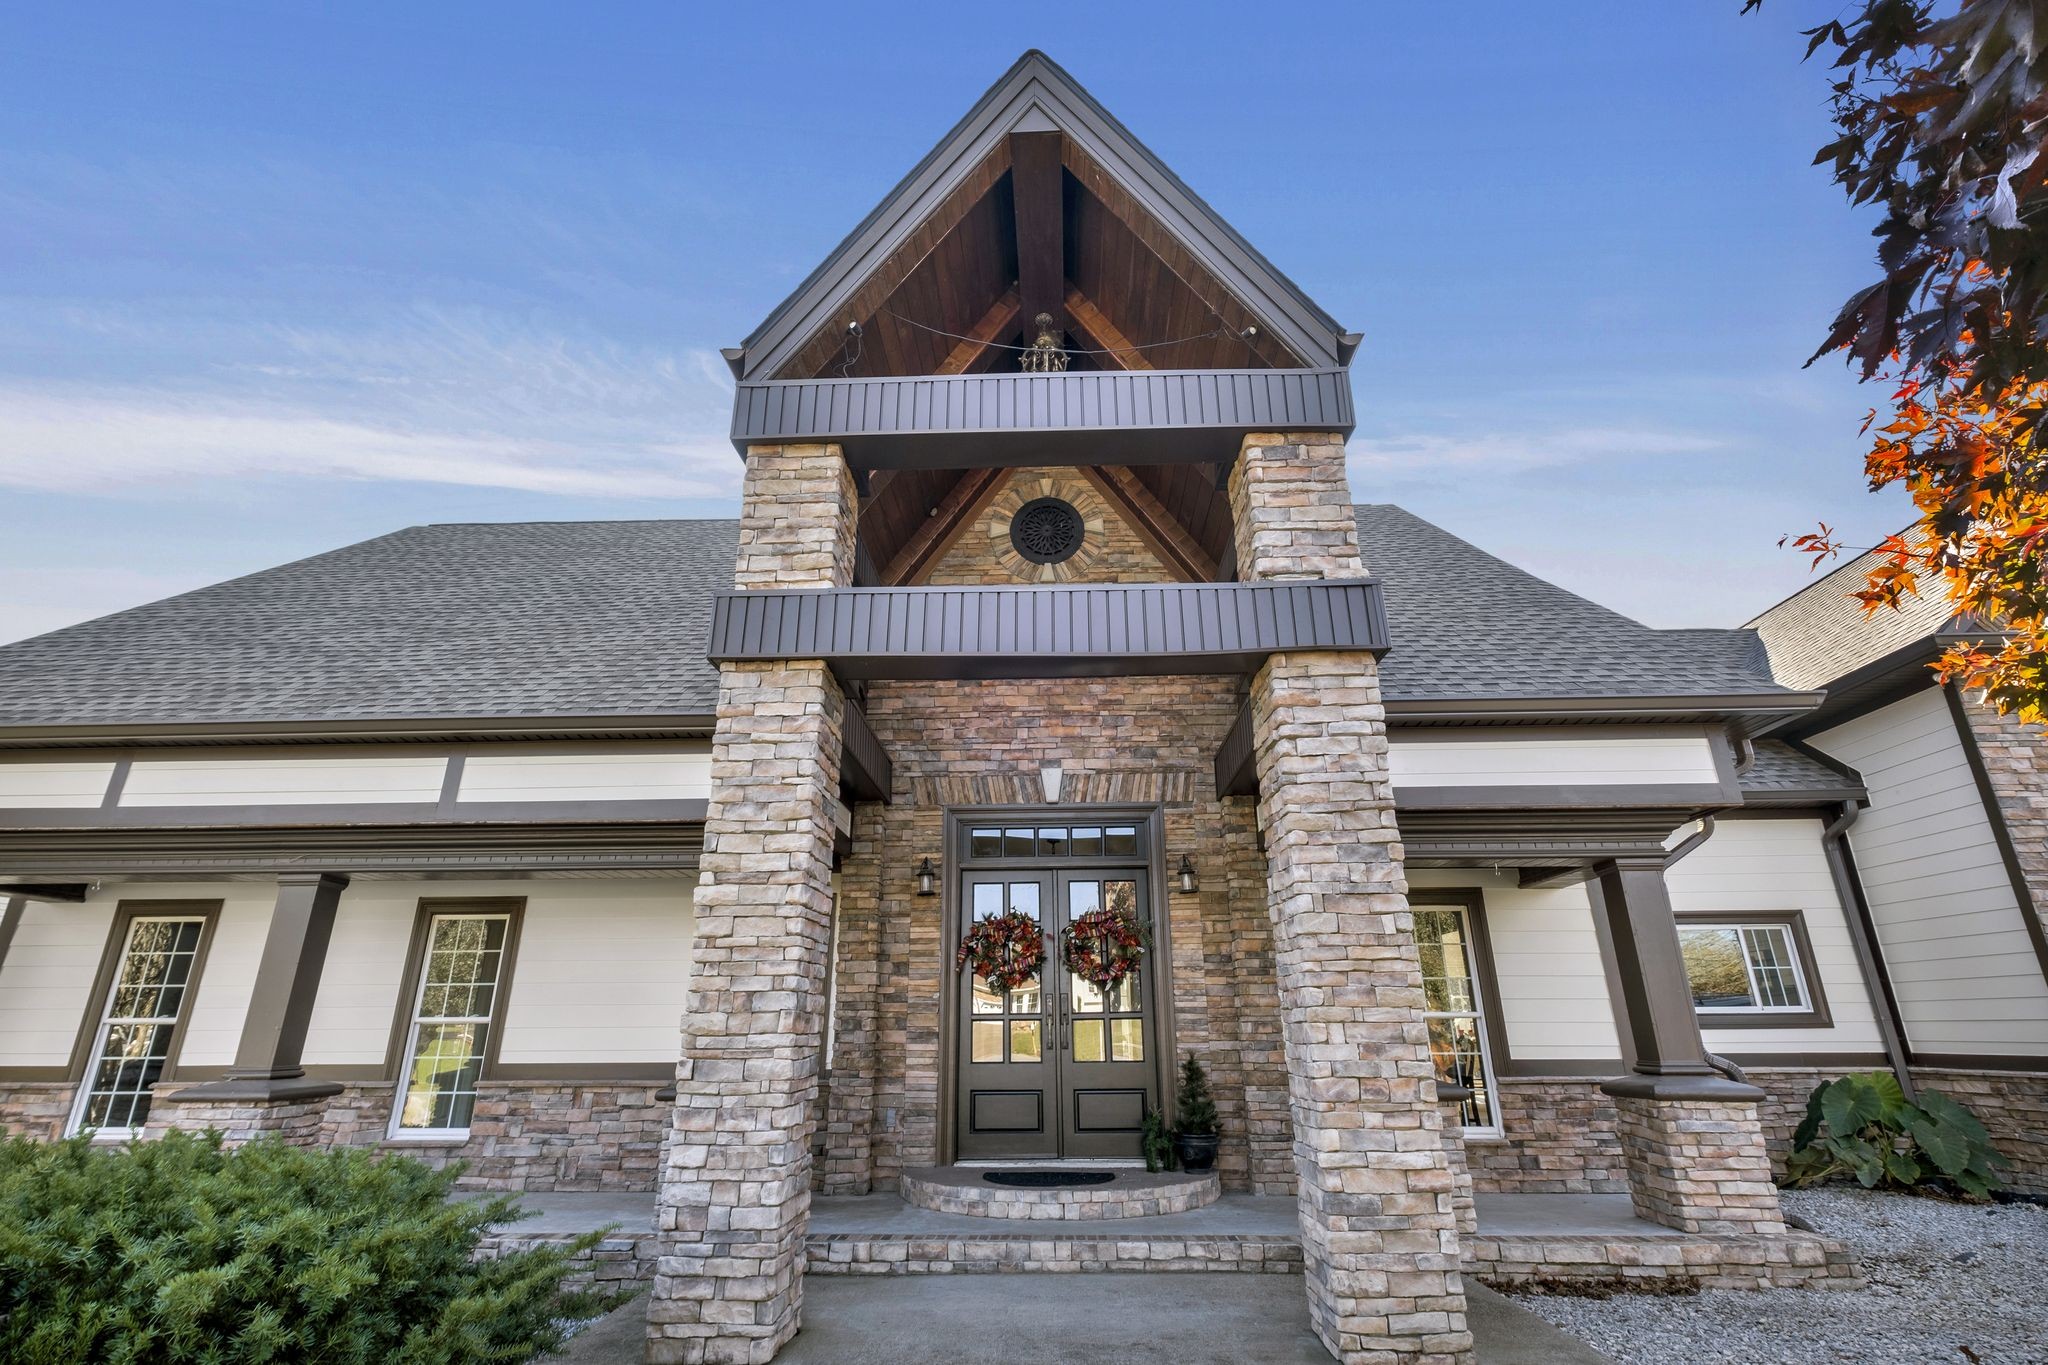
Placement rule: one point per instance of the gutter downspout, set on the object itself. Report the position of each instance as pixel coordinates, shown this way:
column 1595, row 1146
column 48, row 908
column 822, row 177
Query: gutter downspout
column 1685, row 846
column 1834, row 840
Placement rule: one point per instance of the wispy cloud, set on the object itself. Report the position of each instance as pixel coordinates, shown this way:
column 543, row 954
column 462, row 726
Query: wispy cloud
column 1433, row 457
column 472, row 399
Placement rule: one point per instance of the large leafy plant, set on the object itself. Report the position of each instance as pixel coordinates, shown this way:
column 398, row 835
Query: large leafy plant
column 1864, row 1126
column 167, row 1252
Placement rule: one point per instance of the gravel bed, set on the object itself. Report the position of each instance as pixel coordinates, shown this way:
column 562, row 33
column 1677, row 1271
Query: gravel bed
column 1948, row 1282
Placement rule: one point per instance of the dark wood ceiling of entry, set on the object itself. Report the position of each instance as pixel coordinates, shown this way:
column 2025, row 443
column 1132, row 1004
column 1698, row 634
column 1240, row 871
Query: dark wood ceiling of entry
column 1040, row 227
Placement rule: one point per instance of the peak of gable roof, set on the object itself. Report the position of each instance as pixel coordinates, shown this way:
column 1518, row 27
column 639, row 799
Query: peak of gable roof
column 1038, row 95
column 1821, row 633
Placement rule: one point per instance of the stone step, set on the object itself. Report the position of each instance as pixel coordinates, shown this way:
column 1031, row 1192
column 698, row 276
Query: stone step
column 1068, row 1250
column 979, row 1192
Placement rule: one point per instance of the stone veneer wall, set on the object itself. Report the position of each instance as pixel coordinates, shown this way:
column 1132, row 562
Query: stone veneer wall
column 2015, row 758
column 1120, row 740
column 36, row 1109
column 1558, row 1137
column 1111, row 551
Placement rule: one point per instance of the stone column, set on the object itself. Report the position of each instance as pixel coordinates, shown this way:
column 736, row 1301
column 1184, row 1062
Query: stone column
column 267, row 1089
column 1693, row 1138
column 848, row 1140
column 1379, row 1233
column 734, row 1194
column 1452, row 1098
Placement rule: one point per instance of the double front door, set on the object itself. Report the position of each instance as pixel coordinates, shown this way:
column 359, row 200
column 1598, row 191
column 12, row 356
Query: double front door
column 1057, row 1067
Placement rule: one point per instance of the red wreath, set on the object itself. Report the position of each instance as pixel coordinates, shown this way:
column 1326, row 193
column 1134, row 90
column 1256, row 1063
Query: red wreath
column 1102, row 947
column 1006, row 950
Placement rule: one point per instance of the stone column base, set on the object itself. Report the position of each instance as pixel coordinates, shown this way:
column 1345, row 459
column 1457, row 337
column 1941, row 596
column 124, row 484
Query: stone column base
column 1462, row 1203
column 243, row 1110
column 1699, row 1165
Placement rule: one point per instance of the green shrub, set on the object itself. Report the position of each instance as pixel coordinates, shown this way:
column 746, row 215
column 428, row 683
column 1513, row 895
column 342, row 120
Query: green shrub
column 1158, row 1142
column 176, row 1251
column 1196, row 1107
column 1864, row 1126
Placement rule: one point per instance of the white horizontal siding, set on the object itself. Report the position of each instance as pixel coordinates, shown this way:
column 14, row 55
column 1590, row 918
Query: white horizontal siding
column 1483, row 759
column 1961, row 961
column 603, row 974
column 46, row 981
column 53, row 786
column 284, row 781
column 681, row 775
column 1546, row 958
column 1752, row 866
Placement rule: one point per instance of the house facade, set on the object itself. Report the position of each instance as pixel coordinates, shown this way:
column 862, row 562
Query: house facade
column 1047, row 595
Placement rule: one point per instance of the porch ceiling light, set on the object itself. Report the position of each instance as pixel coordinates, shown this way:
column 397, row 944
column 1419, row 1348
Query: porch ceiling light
column 1188, row 884
column 927, row 879
column 1049, row 775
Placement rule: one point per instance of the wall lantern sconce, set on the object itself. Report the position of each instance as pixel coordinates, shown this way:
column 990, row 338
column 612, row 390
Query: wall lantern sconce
column 1188, row 884
column 927, row 879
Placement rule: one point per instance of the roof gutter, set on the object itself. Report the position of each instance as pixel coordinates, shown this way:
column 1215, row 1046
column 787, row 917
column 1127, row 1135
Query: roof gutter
column 317, row 731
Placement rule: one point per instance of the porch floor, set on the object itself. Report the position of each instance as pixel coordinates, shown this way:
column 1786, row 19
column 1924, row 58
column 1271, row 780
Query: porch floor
column 1244, row 1215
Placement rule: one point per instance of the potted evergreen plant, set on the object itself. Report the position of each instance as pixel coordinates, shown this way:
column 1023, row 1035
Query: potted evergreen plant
column 1195, row 1138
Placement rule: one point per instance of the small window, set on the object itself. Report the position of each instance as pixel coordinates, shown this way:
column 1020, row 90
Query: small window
column 453, row 1016
column 1746, row 968
column 1452, row 1007
column 152, row 985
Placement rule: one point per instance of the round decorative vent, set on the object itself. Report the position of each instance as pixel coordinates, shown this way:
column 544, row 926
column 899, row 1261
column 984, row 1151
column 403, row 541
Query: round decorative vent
column 1048, row 1180
column 1046, row 530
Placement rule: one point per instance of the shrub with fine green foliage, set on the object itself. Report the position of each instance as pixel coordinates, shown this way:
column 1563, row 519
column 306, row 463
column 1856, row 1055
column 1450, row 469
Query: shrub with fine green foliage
column 1864, row 1126
column 177, row 1251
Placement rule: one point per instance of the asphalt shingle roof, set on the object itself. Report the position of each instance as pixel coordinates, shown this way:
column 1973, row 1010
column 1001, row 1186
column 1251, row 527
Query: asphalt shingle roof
column 1821, row 633
column 1465, row 624
column 611, row 618
column 522, row 619
column 1779, row 769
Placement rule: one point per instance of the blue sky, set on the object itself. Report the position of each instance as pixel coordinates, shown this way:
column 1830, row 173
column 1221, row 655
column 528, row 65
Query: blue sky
column 278, row 278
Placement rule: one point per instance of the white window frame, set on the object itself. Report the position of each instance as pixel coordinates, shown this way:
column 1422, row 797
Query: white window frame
column 96, row 1055
column 395, row 1131
column 1477, row 1013
column 1742, row 929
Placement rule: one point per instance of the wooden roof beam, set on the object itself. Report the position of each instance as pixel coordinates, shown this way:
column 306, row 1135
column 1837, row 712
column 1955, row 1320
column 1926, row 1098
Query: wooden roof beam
column 943, row 527
column 1156, row 526
column 998, row 322
column 1035, row 172
column 1101, row 334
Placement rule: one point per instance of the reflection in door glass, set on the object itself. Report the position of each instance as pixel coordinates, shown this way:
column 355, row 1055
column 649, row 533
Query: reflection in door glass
column 1120, row 841
column 1024, row 897
column 988, row 1040
column 1024, row 1000
column 988, row 900
column 1121, row 896
column 1127, row 1040
column 1024, row 1040
column 987, row 999
column 985, row 843
column 1087, row 842
column 1083, row 897
column 1087, row 995
column 1088, row 1041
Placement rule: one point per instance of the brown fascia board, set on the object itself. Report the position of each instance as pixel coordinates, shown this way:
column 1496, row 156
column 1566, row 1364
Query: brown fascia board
column 318, row 731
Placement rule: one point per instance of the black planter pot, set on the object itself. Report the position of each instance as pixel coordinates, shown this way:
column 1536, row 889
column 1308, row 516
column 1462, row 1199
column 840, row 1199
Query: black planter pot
column 1197, row 1151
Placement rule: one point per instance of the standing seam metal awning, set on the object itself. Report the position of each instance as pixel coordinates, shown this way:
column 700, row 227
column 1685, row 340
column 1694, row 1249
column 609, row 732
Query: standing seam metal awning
column 1040, row 632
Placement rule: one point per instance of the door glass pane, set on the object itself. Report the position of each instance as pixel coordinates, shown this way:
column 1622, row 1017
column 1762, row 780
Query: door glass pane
column 1123, row 996
column 1127, row 1040
column 1083, row 897
column 988, row 899
column 985, row 843
column 1714, row 966
column 1087, row 841
column 1087, row 996
column 987, row 999
column 1024, row 897
column 1121, row 897
column 1024, row 1000
column 1019, row 843
column 988, row 1040
column 1088, row 1041
column 1052, row 843
column 1024, row 1040
column 1120, row 841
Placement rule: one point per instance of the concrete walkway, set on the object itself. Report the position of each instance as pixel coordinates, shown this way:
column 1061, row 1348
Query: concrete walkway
column 1188, row 1319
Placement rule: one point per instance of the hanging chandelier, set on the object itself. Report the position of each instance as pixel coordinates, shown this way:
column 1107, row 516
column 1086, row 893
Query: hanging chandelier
column 1045, row 355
